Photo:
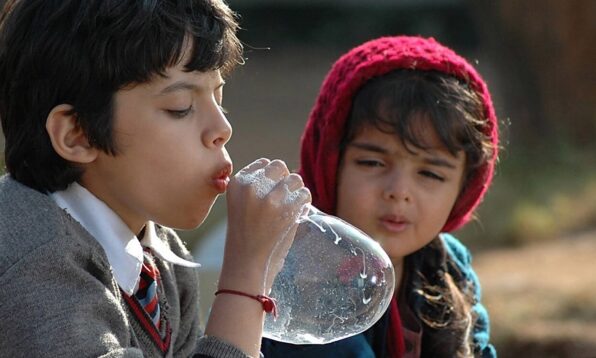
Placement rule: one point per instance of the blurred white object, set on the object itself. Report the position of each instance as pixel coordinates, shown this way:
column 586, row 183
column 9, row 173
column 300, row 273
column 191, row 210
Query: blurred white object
column 336, row 282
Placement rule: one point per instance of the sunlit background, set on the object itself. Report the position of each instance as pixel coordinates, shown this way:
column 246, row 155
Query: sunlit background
column 534, row 242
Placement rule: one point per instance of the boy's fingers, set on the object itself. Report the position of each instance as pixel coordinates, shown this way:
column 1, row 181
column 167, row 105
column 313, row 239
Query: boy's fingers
column 304, row 196
column 294, row 182
column 276, row 169
column 254, row 166
column 298, row 196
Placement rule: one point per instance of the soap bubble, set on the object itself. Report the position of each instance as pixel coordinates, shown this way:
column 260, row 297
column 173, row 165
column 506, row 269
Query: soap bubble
column 336, row 282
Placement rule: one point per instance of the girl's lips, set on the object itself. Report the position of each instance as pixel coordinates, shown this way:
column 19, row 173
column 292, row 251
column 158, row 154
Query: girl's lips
column 394, row 224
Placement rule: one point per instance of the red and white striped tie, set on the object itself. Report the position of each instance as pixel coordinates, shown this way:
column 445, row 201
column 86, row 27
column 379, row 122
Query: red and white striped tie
column 147, row 292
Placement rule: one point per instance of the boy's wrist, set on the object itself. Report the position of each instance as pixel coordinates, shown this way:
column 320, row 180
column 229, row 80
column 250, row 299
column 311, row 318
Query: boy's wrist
column 269, row 304
column 243, row 278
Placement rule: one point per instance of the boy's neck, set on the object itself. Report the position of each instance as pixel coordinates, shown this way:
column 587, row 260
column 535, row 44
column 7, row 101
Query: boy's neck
column 97, row 190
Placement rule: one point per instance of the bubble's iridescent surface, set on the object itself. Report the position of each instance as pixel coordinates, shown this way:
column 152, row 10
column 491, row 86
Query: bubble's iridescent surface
column 336, row 282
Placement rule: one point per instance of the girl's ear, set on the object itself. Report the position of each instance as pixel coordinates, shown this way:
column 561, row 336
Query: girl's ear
column 67, row 137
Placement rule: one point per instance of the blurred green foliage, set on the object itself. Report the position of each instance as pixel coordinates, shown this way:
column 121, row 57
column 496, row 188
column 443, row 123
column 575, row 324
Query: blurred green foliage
column 341, row 26
column 537, row 195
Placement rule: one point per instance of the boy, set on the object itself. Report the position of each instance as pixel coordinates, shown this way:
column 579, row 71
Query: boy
column 114, row 132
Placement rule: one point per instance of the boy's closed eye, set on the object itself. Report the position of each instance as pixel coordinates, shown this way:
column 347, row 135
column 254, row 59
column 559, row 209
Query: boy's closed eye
column 184, row 112
column 180, row 113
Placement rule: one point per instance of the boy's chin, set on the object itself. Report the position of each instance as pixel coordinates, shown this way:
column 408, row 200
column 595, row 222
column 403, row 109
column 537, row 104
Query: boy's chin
column 189, row 218
column 189, row 224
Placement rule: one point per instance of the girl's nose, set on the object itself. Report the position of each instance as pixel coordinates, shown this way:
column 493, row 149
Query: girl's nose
column 397, row 188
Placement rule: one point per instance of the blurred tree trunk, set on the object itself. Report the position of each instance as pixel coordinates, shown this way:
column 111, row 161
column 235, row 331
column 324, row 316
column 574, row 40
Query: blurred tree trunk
column 546, row 50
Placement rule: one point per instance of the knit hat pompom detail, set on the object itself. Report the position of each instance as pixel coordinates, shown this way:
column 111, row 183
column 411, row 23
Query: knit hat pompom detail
column 326, row 125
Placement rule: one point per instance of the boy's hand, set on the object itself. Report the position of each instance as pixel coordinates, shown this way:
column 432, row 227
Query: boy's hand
column 264, row 203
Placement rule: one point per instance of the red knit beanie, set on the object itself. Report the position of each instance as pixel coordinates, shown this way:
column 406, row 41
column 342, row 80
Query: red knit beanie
column 325, row 127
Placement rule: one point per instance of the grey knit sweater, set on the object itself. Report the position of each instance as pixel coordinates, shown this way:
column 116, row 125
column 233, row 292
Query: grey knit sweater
column 58, row 297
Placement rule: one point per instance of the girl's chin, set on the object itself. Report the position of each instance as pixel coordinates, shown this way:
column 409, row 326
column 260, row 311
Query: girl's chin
column 395, row 253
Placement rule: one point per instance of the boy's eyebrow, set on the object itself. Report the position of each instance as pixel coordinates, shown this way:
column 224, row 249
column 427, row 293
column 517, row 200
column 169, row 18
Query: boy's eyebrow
column 184, row 85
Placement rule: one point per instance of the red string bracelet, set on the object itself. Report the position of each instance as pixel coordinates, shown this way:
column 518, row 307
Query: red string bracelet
column 269, row 304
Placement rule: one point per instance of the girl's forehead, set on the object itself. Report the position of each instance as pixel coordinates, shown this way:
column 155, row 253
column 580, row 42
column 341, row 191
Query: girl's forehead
column 423, row 132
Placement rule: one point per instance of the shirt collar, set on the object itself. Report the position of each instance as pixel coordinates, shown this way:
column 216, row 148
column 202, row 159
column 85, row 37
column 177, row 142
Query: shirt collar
column 123, row 249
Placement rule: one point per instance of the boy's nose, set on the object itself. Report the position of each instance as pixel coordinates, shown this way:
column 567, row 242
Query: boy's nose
column 220, row 132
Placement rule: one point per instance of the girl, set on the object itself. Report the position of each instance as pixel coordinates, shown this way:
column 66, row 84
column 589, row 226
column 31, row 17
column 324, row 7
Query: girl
column 402, row 143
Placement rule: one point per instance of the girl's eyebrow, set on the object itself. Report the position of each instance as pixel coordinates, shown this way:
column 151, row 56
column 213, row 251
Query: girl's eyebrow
column 430, row 160
column 369, row 147
column 439, row 162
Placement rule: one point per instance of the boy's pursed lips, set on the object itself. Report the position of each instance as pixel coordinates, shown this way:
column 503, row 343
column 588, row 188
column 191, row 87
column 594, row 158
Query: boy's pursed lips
column 221, row 179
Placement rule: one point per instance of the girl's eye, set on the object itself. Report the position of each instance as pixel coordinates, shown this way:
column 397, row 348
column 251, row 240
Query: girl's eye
column 180, row 113
column 431, row 175
column 370, row 163
column 223, row 110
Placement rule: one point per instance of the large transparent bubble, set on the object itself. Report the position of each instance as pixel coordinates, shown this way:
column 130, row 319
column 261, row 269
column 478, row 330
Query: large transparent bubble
column 336, row 282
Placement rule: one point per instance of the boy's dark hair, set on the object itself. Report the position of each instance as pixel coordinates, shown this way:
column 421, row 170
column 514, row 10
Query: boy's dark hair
column 80, row 53
column 439, row 295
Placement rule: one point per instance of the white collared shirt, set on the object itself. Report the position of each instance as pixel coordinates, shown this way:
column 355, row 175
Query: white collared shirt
column 123, row 249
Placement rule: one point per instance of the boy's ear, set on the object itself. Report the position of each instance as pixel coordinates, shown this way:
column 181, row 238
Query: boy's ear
column 67, row 137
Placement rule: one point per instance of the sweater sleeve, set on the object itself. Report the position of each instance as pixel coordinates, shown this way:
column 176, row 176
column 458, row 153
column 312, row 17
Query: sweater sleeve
column 481, row 333
column 59, row 300
column 187, row 282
